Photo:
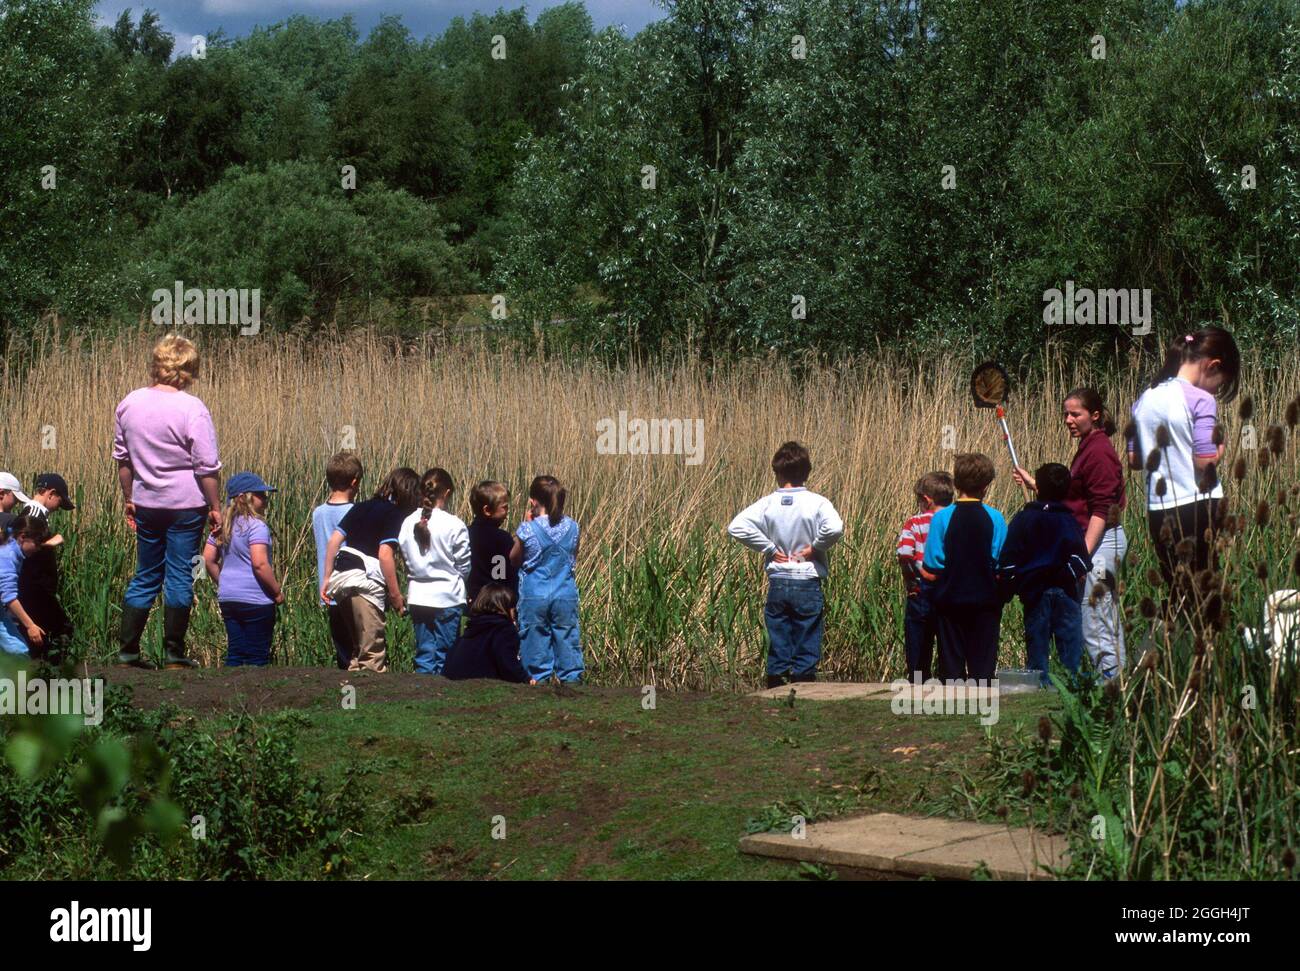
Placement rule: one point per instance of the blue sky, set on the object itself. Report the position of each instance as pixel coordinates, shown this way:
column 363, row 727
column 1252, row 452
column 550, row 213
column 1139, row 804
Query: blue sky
column 185, row 18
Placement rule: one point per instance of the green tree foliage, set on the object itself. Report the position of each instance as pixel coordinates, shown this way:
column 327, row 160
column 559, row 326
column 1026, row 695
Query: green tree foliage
column 290, row 230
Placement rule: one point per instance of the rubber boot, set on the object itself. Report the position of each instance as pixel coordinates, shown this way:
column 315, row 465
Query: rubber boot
column 176, row 621
column 806, row 676
column 777, row 680
column 128, row 636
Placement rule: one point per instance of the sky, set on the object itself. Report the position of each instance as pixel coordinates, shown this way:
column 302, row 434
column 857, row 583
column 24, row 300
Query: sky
column 185, row 18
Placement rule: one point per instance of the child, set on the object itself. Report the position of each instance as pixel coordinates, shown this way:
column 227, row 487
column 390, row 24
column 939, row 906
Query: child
column 435, row 545
column 361, row 567
column 1045, row 560
column 18, row 631
column 38, row 582
column 1173, row 439
column 489, row 648
column 546, row 551
column 933, row 491
column 793, row 529
column 489, row 543
column 343, row 476
column 238, row 558
column 11, row 494
column 962, row 550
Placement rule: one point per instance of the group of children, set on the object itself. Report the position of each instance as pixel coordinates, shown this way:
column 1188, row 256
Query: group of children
column 960, row 562
column 32, row 621
column 521, row 591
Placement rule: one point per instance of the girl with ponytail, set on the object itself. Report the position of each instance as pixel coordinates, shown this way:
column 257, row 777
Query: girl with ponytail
column 435, row 545
column 546, row 553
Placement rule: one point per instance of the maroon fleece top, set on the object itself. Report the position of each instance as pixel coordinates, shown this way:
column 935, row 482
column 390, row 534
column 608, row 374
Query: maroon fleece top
column 1096, row 479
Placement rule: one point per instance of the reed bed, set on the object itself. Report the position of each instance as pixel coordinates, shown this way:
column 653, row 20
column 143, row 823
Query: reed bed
column 667, row 598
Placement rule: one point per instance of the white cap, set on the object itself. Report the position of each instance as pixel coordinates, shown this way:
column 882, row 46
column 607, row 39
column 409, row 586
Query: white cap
column 9, row 482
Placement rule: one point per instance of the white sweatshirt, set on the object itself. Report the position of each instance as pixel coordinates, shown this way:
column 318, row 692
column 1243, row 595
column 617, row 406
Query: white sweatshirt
column 437, row 576
column 787, row 520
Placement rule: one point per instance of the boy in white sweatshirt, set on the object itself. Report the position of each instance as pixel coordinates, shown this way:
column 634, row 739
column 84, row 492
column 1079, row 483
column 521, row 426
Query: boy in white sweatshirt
column 793, row 529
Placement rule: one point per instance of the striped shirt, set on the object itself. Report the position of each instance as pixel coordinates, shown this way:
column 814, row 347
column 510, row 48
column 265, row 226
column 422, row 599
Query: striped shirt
column 911, row 541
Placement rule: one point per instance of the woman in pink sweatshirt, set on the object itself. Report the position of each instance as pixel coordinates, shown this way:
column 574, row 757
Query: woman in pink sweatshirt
column 165, row 447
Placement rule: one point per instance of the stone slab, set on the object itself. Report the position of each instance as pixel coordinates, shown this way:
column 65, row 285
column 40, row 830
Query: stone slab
column 907, row 846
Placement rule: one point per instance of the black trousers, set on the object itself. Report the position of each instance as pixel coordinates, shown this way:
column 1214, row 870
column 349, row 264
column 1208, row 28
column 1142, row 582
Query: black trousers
column 1187, row 522
column 968, row 640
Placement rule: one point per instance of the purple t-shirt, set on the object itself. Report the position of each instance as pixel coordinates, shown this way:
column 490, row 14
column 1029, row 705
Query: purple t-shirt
column 169, row 439
column 237, row 583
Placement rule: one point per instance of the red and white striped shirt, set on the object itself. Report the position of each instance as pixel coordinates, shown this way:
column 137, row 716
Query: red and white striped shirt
column 911, row 541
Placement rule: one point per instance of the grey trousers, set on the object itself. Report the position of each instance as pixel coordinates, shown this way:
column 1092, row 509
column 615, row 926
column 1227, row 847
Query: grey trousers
column 1103, row 631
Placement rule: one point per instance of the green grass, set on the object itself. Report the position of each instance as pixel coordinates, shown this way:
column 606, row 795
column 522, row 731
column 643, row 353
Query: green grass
column 592, row 786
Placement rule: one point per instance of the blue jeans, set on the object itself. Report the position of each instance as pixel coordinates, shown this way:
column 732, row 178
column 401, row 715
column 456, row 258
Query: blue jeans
column 248, row 633
column 794, row 612
column 920, row 631
column 436, row 629
column 12, row 640
column 166, row 543
column 550, row 643
column 1057, row 615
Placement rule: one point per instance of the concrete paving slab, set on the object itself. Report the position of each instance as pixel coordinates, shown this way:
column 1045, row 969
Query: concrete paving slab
column 827, row 690
column 910, row 847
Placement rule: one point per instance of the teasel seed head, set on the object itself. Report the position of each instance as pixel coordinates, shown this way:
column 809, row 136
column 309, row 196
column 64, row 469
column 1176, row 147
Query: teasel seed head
column 1218, row 435
column 1239, row 468
column 1209, row 477
column 1185, row 548
column 1194, row 682
column 1276, row 438
column 1001, row 812
column 1246, row 408
column 1130, row 430
column 1044, row 728
column 1147, row 608
column 1153, row 461
column 1265, row 458
column 1028, row 781
column 1261, row 571
column 1153, row 577
column 1293, row 414
column 1111, row 690
column 1163, row 438
column 1150, row 659
column 1166, row 533
column 1161, row 487
column 1262, row 514
column 1097, row 594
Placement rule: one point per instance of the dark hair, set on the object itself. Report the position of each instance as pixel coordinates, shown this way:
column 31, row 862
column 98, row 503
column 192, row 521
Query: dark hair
column 546, row 489
column 792, row 464
column 34, row 528
column 972, row 472
column 494, row 598
column 487, row 493
column 936, row 485
column 1208, row 342
column 401, row 488
column 1090, row 398
column 1053, row 482
column 435, row 485
column 342, row 469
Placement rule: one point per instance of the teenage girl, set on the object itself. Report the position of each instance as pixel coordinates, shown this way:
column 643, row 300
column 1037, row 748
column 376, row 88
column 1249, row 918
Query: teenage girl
column 1174, row 441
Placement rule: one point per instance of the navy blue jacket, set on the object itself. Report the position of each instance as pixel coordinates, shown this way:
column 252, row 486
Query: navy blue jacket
column 1044, row 550
column 489, row 648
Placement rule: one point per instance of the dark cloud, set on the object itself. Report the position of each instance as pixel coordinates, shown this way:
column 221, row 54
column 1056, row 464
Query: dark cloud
column 185, row 18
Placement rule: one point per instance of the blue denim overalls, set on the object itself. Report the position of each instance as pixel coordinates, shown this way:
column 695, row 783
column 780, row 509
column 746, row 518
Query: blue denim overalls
column 549, row 643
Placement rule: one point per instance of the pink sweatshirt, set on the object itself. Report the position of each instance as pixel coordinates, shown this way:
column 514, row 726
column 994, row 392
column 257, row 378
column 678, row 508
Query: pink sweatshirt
column 169, row 440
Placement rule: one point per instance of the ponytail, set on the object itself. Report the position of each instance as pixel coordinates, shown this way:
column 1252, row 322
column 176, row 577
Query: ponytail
column 1090, row 398
column 1208, row 342
column 434, row 486
column 547, row 491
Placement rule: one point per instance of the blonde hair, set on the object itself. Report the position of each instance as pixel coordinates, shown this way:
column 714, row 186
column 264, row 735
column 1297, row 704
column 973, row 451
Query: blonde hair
column 175, row 362
column 238, row 507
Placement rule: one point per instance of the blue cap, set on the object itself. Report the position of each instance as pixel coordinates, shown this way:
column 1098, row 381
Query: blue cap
column 242, row 482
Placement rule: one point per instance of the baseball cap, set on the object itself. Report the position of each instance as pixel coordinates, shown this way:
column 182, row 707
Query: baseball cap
column 52, row 480
column 9, row 483
column 242, row 482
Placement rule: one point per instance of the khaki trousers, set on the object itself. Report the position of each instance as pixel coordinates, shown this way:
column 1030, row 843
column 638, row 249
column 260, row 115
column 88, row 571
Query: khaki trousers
column 365, row 624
